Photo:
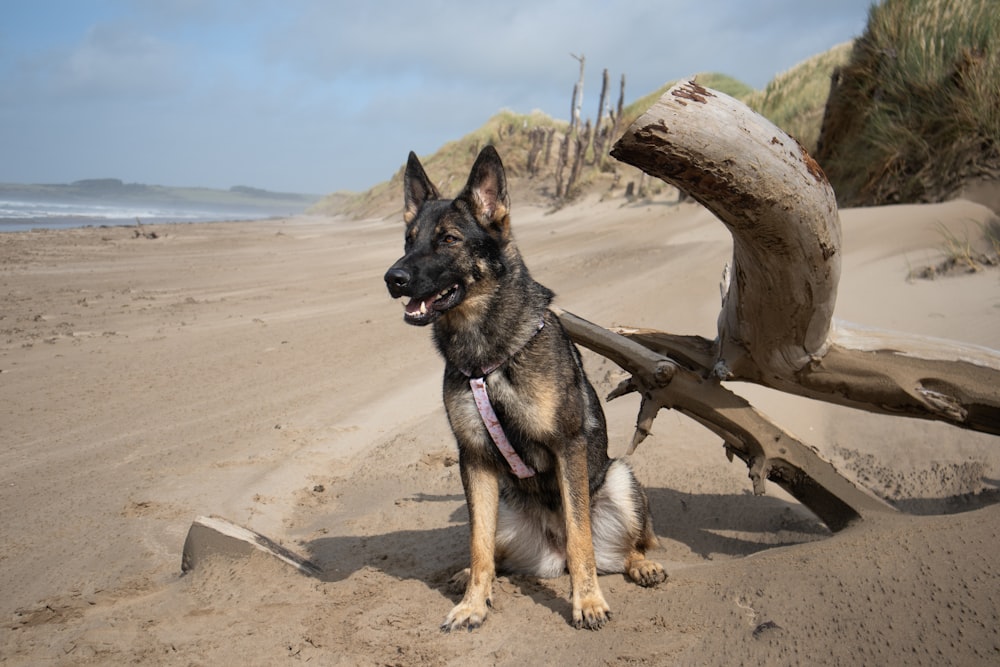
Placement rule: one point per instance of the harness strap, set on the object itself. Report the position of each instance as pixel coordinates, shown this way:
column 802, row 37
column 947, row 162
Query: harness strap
column 517, row 466
column 478, row 384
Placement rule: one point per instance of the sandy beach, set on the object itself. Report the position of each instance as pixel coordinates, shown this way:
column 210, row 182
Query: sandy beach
column 259, row 371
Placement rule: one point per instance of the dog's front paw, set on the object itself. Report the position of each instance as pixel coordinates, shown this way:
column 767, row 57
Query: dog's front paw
column 465, row 615
column 647, row 573
column 591, row 613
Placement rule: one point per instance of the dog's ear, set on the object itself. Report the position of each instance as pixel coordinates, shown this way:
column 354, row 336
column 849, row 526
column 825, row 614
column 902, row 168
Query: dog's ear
column 417, row 188
column 486, row 192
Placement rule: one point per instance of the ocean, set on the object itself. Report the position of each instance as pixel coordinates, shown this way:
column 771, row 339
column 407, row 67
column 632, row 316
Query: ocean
column 19, row 216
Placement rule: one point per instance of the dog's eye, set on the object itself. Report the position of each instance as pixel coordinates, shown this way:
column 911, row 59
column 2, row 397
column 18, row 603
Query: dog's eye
column 449, row 239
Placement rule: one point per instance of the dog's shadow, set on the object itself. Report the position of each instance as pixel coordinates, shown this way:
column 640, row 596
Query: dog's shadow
column 729, row 525
column 707, row 524
column 432, row 556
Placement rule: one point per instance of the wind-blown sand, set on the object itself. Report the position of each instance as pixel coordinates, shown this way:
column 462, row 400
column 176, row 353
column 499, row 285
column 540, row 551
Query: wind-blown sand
column 260, row 372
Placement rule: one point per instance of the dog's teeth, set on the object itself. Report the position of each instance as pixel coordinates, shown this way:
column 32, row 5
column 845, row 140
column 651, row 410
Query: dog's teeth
column 423, row 307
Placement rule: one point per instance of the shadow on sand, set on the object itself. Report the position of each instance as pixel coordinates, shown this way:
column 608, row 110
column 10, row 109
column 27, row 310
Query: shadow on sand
column 729, row 525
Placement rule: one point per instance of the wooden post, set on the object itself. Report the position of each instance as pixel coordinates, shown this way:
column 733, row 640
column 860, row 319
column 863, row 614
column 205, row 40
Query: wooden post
column 599, row 137
column 577, row 95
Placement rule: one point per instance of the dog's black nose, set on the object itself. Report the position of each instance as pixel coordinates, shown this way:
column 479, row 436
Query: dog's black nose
column 396, row 279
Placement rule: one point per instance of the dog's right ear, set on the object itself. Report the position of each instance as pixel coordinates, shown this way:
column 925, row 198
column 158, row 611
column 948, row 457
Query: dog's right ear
column 417, row 188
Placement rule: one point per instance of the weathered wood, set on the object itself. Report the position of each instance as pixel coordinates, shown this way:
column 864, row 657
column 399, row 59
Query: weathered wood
column 777, row 204
column 580, row 143
column 619, row 110
column 888, row 373
column 577, row 107
column 776, row 326
column 561, row 162
column 599, row 137
column 768, row 451
column 215, row 536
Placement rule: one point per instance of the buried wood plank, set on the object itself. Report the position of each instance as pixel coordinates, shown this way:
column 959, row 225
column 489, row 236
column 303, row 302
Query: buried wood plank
column 215, row 536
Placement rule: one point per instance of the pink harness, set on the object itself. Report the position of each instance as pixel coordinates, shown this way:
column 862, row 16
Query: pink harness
column 478, row 384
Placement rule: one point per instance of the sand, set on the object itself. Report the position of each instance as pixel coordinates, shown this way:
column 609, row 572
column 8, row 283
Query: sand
column 260, row 372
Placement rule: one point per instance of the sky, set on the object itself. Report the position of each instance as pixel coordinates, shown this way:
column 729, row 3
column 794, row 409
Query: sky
column 316, row 96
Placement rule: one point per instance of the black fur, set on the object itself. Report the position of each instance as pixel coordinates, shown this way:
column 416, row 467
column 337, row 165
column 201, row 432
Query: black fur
column 463, row 274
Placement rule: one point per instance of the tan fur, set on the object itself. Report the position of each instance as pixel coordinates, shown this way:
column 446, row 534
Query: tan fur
column 482, row 496
column 537, row 412
column 590, row 610
column 463, row 273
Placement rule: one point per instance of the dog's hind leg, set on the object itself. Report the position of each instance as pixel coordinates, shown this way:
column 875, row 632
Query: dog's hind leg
column 640, row 569
column 623, row 528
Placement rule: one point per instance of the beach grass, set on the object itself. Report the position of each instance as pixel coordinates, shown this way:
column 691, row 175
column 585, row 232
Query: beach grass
column 914, row 114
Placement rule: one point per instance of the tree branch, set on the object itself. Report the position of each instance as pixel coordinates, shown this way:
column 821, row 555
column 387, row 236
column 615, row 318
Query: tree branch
column 768, row 451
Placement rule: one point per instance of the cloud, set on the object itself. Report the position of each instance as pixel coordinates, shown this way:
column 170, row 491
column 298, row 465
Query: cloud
column 530, row 42
column 112, row 61
column 474, row 42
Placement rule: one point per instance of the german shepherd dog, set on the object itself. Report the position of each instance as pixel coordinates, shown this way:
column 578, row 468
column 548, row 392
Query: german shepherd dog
column 555, row 501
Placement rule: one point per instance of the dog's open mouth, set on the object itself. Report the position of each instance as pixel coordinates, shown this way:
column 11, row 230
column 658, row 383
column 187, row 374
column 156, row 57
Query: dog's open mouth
column 425, row 311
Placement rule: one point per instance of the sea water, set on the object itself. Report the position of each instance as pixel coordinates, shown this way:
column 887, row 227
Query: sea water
column 17, row 216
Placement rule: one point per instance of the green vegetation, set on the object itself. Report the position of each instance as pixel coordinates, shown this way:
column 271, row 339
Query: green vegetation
column 720, row 82
column 915, row 113
column 449, row 166
column 962, row 254
column 508, row 131
column 795, row 100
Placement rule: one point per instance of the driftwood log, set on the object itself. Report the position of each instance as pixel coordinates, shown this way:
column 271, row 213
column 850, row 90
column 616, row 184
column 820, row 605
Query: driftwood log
column 776, row 327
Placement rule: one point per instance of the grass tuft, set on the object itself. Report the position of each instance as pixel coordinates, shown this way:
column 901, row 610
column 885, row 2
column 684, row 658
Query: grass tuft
column 963, row 254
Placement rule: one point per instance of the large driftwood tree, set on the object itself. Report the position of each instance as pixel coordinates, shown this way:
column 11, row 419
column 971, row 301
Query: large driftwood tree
column 775, row 327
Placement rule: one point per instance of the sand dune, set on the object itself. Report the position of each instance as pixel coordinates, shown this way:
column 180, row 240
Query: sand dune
column 259, row 371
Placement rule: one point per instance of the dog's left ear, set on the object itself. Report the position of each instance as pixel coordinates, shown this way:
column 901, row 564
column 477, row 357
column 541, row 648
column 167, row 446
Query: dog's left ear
column 486, row 192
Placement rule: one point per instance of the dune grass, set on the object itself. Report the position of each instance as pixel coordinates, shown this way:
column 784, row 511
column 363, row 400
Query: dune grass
column 915, row 113
column 795, row 100
column 510, row 132
column 962, row 253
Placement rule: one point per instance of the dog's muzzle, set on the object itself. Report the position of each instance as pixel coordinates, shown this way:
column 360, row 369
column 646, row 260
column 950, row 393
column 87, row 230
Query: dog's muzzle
column 422, row 308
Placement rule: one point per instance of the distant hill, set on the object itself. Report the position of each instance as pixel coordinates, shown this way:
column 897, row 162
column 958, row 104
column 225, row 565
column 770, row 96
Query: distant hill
column 116, row 191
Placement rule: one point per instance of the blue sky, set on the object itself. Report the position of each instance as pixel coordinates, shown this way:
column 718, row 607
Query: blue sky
column 322, row 95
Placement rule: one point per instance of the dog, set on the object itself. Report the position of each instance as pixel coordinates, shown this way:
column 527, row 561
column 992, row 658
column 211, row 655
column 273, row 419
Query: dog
column 555, row 501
